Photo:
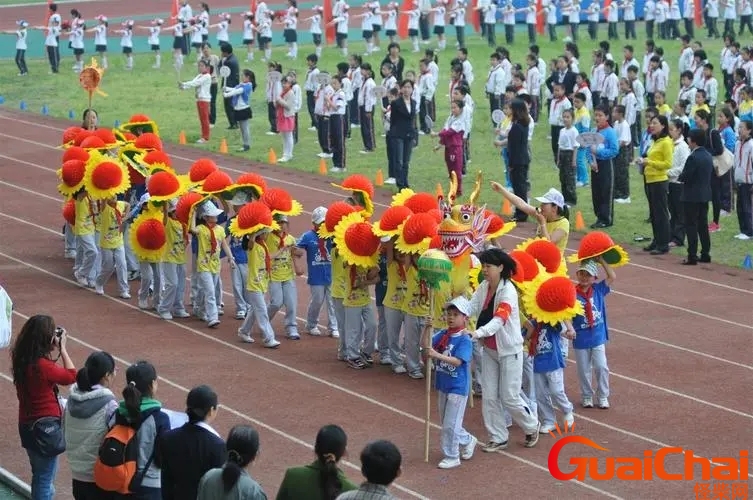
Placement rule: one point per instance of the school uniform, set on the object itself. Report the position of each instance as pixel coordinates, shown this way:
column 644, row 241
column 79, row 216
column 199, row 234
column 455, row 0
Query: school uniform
column 282, row 287
column 366, row 104
column 394, row 295
column 451, row 137
column 306, row 482
column 112, row 249
column 602, row 180
column 259, row 269
column 239, row 274
column 202, row 83
column 609, row 91
column 556, row 107
column 53, row 50
column 415, row 306
column 495, row 87
column 273, row 90
column 380, row 290
column 85, row 268
column 208, row 271
column 743, row 177
column 676, row 214
column 359, row 335
column 311, row 85
column 427, row 106
column 567, row 146
column 336, row 115
column 297, row 103
column 589, row 344
column 622, row 160
column 549, row 364
column 356, row 79
column 347, row 88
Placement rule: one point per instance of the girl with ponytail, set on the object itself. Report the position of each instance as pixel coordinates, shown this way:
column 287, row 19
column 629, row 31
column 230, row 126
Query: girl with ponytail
column 232, row 480
column 91, row 406
column 322, row 479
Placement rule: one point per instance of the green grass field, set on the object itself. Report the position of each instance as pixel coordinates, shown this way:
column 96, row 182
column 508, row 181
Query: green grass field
column 154, row 92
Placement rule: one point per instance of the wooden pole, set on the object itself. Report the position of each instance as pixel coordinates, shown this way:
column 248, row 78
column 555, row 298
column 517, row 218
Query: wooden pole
column 427, row 420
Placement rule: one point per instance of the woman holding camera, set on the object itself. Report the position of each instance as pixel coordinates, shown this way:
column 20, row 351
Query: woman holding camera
column 37, row 376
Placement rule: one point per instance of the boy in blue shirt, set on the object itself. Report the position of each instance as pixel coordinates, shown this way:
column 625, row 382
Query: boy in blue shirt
column 239, row 273
column 452, row 350
column 319, row 268
column 545, row 346
column 592, row 332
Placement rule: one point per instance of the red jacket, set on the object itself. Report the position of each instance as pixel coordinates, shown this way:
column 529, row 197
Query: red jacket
column 36, row 398
column 450, row 138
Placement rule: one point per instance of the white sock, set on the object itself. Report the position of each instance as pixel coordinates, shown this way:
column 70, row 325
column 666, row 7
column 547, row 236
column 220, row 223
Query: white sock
column 130, row 61
column 369, row 47
column 104, row 62
column 318, row 51
column 157, row 60
column 294, row 50
column 268, row 53
column 415, row 44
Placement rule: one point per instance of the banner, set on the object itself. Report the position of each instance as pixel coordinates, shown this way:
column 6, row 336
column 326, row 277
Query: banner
column 402, row 22
column 476, row 16
column 540, row 17
column 698, row 11
column 329, row 31
column 174, row 9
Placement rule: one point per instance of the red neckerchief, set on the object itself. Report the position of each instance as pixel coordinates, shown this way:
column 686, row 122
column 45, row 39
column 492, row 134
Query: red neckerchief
column 322, row 249
column 267, row 259
column 212, row 236
column 444, row 340
column 281, row 235
column 588, row 306
column 401, row 271
column 118, row 215
column 353, row 276
column 599, row 127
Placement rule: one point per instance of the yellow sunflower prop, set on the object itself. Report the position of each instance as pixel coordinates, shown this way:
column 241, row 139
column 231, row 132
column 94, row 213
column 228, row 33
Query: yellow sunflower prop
column 392, row 219
column 140, row 123
column 280, row 202
column 129, row 155
column 71, row 175
column 147, row 236
column 105, row 177
column 546, row 253
column 250, row 183
column 416, row 233
column 252, row 218
column 216, row 183
column 418, row 202
column 600, row 244
column 356, row 242
column 164, row 185
column 363, row 191
column 552, row 299
column 497, row 226
column 335, row 213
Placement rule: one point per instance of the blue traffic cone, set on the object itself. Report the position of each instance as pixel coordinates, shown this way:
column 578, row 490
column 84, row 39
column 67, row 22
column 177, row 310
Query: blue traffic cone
column 71, row 115
column 22, row 106
column 117, row 124
column 747, row 262
column 45, row 110
column 2, row 100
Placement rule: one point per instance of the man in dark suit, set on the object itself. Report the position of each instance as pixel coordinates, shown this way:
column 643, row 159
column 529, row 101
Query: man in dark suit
column 228, row 59
column 696, row 194
column 562, row 75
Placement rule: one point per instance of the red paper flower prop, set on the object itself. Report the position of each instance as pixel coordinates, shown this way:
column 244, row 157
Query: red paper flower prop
column 335, row 213
column 201, row 169
column 280, row 202
column 108, row 137
column 69, row 134
column 105, row 177
column 76, row 153
column 157, row 157
column 356, row 242
column 71, row 175
column 93, row 142
column 164, row 185
column 252, row 181
column 216, row 182
column 69, row 211
column 148, row 141
column 186, row 204
column 436, row 242
column 599, row 243
column 546, row 253
column 140, row 123
column 418, row 202
column 361, row 185
column 552, row 299
column 252, row 218
column 147, row 236
column 80, row 136
column 527, row 268
column 497, row 226
column 416, row 233
column 392, row 218
column 434, row 212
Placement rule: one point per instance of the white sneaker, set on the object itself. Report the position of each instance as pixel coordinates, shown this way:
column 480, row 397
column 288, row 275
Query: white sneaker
column 166, row 316
column 390, row 180
column 742, row 236
column 315, row 332
column 284, row 159
column 587, row 402
column 449, row 463
column 213, row 324
column 82, row 281
column 201, row 141
column 272, row 344
column 125, row 295
column 240, row 315
column 181, row 314
column 271, row 133
column 399, row 369
column 569, row 421
column 312, row 129
column 143, row 304
column 99, row 290
column 334, row 334
column 546, row 429
column 603, row 403
column 466, row 452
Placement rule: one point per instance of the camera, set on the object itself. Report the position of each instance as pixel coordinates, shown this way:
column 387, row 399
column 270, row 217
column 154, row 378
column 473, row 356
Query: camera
column 59, row 331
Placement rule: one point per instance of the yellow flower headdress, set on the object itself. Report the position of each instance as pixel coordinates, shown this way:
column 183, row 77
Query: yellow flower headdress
column 356, row 242
column 105, row 176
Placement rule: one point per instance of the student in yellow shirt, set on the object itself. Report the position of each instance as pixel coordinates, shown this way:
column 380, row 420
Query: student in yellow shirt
column 338, row 293
column 173, row 265
column 416, row 309
column 282, row 289
column 397, row 265
column 259, row 271
column 211, row 240
column 87, row 254
column 360, row 320
column 111, row 247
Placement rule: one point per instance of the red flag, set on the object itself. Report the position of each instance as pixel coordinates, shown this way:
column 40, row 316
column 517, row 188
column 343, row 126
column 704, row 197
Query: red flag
column 540, row 17
column 174, row 9
column 329, row 31
column 402, row 24
column 476, row 16
column 253, row 7
column 697, row 12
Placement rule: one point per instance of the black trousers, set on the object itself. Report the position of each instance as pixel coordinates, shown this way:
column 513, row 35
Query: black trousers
column 658, row 207
column 745, row 208
column 519, row 181
column 602, row 187
column 676, row 215
column 53, row 56
column 593, row 30
column 491, row 35
column 495, row 103
column 509, row 33
column 322, row 132
column 566, row 164
column 690, row 28
column 426, row 107
column 649, row 29
column 622, row 173
column 213, row 104
column 337, row 124
column 721, row 194
column 746, row 21
column 401, row 149
column 271, row 116
column 353, row 109
column 423, row 26
column 310, row 105
column 552, row 28
column 555, row 133
column 21, row 61
column 630, row 30
column 230, row 112
column 367, row 129
column 697, row 227
column 460, row 36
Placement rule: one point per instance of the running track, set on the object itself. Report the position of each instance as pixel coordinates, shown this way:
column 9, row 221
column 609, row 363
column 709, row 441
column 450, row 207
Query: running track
column 679, row 353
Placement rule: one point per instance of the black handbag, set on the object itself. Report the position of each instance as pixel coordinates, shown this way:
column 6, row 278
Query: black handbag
column 47, row 434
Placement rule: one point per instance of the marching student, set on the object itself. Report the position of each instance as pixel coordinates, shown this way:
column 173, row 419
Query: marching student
column 451, row 349
column 111, row 247
column 85, row 228
column 173, row 265
column 282, row 290
column 319, row 275
column 238, row 274
column 592, row 333
column 336, row 106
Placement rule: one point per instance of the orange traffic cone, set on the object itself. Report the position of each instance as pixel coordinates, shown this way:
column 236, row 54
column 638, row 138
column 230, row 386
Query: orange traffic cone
column 579, row 224
column 322, row 166
column 506, row 208
column 223, row 146
column 182, row 137
column 379, row 181
column 272, row 157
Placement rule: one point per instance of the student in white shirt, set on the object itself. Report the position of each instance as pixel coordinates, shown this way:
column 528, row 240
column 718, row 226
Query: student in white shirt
column 559, row 104
column 656, row 80
column 248, row 35
column 567, row 146
column 126, row 42
column 153, row 40
column 54, row 20
column 241, row 95
column 297, row 100
column 550, row 11
column 264, row 29
column 366, row 104
column 712, row 16
column 488, row 10
column 533, row 84
column 711, row 87
column 730, row 15
column 457, row 19
column 593, row 15
column 426, row 88
column 640, row 93
column 440, row 11
column 688, row 17
column 495, row 82
column 202, row 83
column 628, row 15
column 52, row 33
column 315, row 28
column 21, row 46
column 77, row 44
column 610, row 90
column 743, row 176
column 290, row 33
column 100, row 39
column 336, row 106
column 746, row 16
column 613, row 17
column 223, row 28
column 341, row 32
column 621, row 191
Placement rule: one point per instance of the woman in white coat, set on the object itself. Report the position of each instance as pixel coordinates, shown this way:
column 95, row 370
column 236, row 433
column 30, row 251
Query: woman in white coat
column 495, row 306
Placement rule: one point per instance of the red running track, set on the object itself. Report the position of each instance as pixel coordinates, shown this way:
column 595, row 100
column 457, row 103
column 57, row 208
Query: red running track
column 679, row 351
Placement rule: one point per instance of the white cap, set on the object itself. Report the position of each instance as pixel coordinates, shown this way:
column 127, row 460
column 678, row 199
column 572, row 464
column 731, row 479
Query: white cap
column 280, row 218
column 318, row 215
column 209, row 209
column 590, row 267
column 385, row 239
column 239, row 199
column 172, row 205
column 461, row 304
column 552, row 196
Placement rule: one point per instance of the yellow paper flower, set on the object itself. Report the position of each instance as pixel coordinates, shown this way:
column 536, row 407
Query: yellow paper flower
column 401, row 196
column 252, row 218
column 105, row 176
column 416, row 233
column 546, row 253
column 164, row 185
column 128, row 155
column 147, row 236
column 72, row 176
column 551, row 299
column 356, row 242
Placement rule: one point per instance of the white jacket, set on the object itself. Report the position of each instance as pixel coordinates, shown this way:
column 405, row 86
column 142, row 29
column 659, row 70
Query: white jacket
column 6, row 318
column 506, row 332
